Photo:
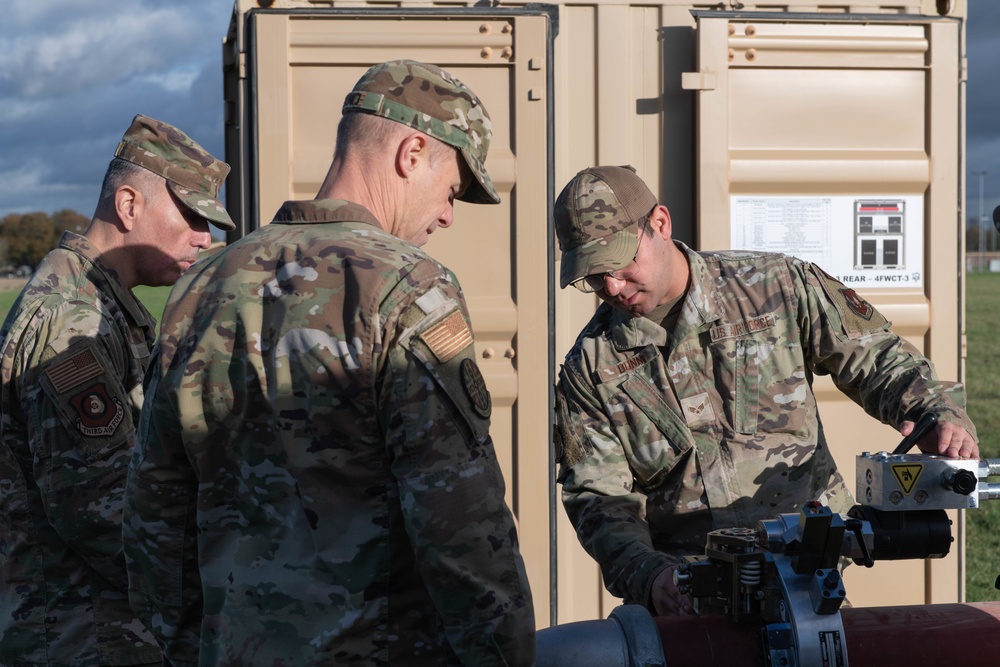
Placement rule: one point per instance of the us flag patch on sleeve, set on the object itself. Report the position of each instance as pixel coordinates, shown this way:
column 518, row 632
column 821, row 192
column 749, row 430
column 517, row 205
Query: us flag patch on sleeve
column 76, row 370
column 448, row 337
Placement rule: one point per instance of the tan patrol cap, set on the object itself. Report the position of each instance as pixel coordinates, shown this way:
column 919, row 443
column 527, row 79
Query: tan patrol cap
column 429, row 99
column 192, row 173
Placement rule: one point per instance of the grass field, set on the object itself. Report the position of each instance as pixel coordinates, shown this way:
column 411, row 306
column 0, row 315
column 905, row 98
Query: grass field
column 982, row 378
column 154, row 298
column 982, row 375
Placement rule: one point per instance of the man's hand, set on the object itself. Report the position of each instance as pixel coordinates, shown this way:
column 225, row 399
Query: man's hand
column 667, row 600
column 946, row 439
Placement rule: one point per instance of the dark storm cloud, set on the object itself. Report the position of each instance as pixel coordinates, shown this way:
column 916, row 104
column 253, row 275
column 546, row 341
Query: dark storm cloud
column 75, row 73
column 983, row 100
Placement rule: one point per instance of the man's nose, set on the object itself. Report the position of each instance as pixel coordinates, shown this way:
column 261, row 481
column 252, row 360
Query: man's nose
column 202, row 238
column 612, row 285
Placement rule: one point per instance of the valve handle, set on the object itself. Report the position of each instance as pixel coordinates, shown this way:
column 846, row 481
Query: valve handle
column 927, row 421
column 854, row 525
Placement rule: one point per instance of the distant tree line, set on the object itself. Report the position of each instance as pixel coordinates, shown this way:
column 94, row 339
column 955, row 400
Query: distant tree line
column 26, row 237
column 973, row 231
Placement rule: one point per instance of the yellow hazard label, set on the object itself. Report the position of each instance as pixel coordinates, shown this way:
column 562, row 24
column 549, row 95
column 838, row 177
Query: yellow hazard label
column 907, row 474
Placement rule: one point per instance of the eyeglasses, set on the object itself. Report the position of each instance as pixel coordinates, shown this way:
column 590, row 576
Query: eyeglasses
column 595, row 282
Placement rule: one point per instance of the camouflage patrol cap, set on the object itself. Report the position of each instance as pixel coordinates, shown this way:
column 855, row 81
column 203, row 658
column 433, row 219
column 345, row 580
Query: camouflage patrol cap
column 429, row 99
column 192, row 174
column 596, row 218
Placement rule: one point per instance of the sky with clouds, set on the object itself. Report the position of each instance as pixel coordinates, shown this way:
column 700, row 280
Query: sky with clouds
column 73, row 74
column 982, row 142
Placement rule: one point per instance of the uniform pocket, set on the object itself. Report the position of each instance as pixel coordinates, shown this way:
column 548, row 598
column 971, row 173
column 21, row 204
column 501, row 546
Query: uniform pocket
column 456, row 374
column 658, row 438
column 89, row 399
column 154, row 536
column 748, row 355
column 738, row 379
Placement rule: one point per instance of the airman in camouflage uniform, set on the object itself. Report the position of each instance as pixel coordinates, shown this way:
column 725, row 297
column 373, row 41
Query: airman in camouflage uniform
column 314, row 482
column 686, row 404
column 75, row 348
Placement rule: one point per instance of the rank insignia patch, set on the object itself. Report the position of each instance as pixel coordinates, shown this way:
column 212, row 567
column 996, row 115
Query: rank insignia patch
column 697, row 409
column 475, row 388
column 98, row 415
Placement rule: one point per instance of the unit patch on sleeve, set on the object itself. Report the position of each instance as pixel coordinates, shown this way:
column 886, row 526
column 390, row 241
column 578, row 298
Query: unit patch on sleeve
column 475, row 388
column 448, row 337
column 857, row 315
column 861, row 307
column 97, row 413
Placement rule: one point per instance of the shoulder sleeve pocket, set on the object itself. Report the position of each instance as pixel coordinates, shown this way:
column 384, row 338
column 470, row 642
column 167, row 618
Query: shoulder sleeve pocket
column 857, row 317
column 81, row 384
column 444, row 345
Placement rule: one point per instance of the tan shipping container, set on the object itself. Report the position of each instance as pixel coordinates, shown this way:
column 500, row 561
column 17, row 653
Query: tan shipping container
column 804, row 127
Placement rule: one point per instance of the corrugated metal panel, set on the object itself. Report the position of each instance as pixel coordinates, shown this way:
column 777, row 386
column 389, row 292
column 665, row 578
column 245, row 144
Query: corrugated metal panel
column 813, row 111
column 618, row 99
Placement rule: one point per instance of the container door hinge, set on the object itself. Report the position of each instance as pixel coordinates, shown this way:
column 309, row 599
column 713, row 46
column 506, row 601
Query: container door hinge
column 698, row 80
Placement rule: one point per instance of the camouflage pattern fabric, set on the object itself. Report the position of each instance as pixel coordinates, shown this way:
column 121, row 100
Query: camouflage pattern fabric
column 665, row 436
column 429, row 99
column 314, row 482
column 191, row 172
column 75, row 346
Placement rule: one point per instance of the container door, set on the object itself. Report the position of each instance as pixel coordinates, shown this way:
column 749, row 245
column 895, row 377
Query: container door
column 837, row 141
column 301, row 64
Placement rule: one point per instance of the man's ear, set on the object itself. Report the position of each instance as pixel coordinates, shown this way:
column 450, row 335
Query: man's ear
column 128, row 205
column 412, row 150
column 659, row 221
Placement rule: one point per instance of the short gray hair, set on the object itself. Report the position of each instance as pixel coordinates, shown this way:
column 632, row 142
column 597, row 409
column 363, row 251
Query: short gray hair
column 367, row 133
column 122, row 172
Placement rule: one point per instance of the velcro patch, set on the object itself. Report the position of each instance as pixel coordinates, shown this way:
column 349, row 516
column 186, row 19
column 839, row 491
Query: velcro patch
column 448, row 337
column 79, row 368
column 432, row 300
column 98, row 415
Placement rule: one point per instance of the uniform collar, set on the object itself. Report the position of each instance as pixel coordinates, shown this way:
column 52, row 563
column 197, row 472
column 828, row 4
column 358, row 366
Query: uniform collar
column 323, row 211
column 700, row 310
column 106, row 278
